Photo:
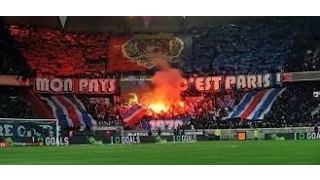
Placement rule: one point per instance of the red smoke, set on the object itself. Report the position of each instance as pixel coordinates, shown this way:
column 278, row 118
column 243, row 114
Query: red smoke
column 167, row 91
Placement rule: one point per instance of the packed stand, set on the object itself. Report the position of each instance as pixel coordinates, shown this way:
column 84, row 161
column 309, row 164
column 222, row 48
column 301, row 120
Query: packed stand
column 225, row 50
column 60, row 53
column 261, row 46
column 13, row 104
column 296, row 106
column 205, row 111
column 102, row 110
column 305, row 55
column 11, row 60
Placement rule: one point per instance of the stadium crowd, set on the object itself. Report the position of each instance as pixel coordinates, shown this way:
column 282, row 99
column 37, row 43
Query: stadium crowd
column 280, row 45
column 53, row 52
column 103, row 112
column 296, row 106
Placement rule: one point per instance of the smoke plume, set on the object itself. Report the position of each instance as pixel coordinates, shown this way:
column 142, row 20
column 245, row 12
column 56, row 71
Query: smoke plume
column 166, row 84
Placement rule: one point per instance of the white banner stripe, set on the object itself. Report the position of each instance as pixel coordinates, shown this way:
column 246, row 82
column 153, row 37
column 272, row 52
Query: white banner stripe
column 54, row 108
column 246, row 107
column 65, row 111
column 270, row 105
column 256, row 109
column 80, row 116
column 93, row 121
column 234, row 109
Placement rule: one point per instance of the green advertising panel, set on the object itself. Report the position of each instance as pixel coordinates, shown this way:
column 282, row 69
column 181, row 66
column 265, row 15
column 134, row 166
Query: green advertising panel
column 280, row 136
column 307, row 136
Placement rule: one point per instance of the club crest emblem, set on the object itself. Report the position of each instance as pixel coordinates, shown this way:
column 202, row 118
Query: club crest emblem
column 142, row 48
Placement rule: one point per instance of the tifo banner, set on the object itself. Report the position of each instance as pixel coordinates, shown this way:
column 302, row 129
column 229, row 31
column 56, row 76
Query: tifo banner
column 280, row 136
column 135, row 53
column 167, row 124
column 139, row 86
column 69, row 110
column 240, row 82
column 307, row 136
column 255, row 104
column 75, row 86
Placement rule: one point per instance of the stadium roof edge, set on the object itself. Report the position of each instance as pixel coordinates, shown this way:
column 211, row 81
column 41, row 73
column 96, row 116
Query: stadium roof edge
column 120, row 24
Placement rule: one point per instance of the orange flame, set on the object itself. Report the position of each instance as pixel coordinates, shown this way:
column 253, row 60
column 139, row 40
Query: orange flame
column 158, row 108
column 181, row 104
column 166, row 94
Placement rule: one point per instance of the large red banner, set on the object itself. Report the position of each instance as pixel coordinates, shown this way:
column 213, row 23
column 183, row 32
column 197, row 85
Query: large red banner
column 76, row 86
column 118, row 61
column 135, row 53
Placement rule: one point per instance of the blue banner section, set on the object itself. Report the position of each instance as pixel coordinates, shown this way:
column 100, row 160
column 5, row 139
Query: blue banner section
column 256, row 104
